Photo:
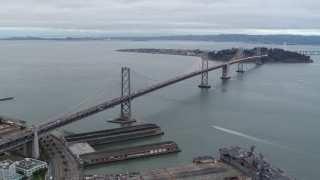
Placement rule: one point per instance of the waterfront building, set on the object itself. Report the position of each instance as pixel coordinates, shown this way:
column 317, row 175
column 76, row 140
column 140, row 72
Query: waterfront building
column 28, row 166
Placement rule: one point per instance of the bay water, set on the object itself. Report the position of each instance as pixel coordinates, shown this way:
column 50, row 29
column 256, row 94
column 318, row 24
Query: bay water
column 275, row 107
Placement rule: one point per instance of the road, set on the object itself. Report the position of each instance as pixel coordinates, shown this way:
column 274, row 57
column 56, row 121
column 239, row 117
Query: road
column 57, row 167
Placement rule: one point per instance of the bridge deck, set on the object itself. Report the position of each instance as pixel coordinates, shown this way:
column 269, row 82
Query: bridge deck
column 309, row 52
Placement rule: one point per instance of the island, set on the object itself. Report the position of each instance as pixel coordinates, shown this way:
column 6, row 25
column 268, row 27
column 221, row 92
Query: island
column 275, row 55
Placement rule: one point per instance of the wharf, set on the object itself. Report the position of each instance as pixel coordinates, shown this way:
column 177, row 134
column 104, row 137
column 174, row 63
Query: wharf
column 114, row 135
column 218, row 170
column 132, row 152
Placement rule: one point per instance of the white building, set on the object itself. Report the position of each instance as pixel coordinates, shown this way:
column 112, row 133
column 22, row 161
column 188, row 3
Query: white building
column 28, row 166
column 7, row 170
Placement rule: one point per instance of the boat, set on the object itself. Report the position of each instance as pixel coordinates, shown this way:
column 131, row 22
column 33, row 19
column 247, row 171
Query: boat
column 204, row 159
column 255, row 166
column 4, row 99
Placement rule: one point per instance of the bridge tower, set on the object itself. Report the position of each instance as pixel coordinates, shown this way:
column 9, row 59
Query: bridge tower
column 225, row 68
column 125, row 116
column 240, row 64
column 204, row 75
column 258, row 59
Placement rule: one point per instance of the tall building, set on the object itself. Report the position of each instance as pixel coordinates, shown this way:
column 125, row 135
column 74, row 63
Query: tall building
column 7, row 170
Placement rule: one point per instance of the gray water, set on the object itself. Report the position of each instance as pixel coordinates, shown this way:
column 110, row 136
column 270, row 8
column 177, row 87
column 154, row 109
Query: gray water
column 274, row 106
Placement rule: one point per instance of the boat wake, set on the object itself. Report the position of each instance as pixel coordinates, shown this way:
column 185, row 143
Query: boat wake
column 263, row 141
column 242, row 135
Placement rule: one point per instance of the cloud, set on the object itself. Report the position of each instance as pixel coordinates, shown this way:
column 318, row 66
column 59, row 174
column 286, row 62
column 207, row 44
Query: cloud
column 156, row 16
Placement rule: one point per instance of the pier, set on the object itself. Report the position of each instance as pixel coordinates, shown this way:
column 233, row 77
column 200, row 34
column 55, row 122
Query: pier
column 115, row 135
column 132, row 152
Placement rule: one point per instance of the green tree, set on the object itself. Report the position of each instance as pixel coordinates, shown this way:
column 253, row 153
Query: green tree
column 66, row 170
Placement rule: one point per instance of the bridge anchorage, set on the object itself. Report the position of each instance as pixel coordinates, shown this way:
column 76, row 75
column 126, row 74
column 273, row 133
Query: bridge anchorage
column 31, row 148
column 204, row 75
column 125, row 116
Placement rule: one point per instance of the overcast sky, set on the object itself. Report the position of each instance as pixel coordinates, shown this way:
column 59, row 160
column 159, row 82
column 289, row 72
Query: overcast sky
column 157, row 17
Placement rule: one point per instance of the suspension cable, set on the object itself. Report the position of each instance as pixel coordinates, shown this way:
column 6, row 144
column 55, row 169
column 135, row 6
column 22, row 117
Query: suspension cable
column 82, row 104
column 143, row 77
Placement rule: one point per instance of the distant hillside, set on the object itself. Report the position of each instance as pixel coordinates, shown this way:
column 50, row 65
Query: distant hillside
column 265, row 39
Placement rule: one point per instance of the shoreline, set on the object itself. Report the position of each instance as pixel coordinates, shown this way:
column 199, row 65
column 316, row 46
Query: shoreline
column 274, row 55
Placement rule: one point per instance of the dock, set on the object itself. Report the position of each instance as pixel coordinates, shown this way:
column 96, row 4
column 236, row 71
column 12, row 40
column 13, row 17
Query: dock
column 132, row 152
column 194, row 171
column 114, row 135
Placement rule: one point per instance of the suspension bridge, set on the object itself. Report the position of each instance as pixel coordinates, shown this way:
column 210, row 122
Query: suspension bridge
column 312, row 53
column 29, row 137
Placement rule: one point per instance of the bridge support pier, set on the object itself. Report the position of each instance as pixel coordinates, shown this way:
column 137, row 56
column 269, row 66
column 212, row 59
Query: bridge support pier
column 225, row 72
column 258, row 61
column 240, row 68
column 31, row 148
column 205, row 75
column 125, row 116
column 27, row 149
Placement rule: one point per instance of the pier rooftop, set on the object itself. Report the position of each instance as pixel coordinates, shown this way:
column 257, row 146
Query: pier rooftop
column 114, row 135
column 80, row 148
column 132, row 152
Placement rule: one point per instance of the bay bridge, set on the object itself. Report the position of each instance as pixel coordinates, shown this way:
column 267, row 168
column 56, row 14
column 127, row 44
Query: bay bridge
column 29, row 137
column 311, row 53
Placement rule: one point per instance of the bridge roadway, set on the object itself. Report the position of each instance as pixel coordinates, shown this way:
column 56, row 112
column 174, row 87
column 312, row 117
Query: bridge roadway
column 27, row 135
column 309, row 52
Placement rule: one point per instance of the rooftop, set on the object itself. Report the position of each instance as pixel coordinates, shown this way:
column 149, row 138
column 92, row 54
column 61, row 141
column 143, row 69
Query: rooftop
column 110, row 132
column 11, row 157
column 29, row 163
column 81, row 148
column 130, row 149
column 6, row 164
